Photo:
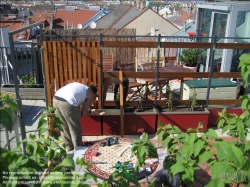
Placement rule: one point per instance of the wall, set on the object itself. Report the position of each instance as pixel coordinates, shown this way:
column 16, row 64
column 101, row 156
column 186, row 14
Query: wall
column 244, row 29
column 150, row 19
column 4, row 37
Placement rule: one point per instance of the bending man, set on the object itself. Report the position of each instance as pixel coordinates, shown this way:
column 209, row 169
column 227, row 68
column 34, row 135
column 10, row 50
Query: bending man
column 67, row 101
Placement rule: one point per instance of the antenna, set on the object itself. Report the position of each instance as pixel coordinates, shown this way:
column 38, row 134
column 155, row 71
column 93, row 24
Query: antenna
column 92, row 25
column 79, row 26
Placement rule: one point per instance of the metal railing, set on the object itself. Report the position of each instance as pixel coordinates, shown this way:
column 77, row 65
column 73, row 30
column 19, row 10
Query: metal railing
column 27, row 63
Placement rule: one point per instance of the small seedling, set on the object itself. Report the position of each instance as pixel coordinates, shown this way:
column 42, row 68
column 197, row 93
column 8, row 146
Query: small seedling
column 170, row 97
column 117, row 101
column 192, row 100
column 28, row 81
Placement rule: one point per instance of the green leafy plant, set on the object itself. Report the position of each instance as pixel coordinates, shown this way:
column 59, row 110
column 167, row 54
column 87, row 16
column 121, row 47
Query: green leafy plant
column 244, row 68
column 193, row 99
column 142, row 97
column 190, row 57
column 117, row 101
column 28, row 81
column 229, row 162
column 7, row 107
column 170, row 97
column 45, row 162
column 143, row 148
column 123, row 176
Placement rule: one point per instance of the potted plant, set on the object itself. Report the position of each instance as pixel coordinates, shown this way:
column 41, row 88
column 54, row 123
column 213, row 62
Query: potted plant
column 183, row 116
column 227, row 158
column 190, row 57
column 28, row 89
column 140, row 119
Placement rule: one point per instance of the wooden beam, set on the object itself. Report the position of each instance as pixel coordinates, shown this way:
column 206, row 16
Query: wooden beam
column 186, row 45
column 121, row 103
column 232, row 46
column 173, row 75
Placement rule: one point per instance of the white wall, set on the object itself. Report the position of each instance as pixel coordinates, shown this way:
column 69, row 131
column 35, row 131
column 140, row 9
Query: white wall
column 150, row 19
column 244, row 29
column 4, row 42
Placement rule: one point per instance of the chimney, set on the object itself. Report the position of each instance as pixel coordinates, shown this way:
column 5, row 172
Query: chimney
column 141, row 5
column 184, row 26
column 138, row 4
column 27, row 23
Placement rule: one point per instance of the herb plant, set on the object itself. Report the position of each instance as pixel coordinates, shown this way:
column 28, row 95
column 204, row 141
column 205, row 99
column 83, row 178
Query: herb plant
column 229, row 162
column 28, row 81
column 192, row 100
column 190, row 57
column 143, row 148
column 170, row 98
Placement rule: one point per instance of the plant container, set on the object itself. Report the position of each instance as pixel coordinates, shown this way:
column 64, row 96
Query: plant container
column 91, row 125
column 184, row 118
column 139, row 121
column 212, row 120
column 33, row 93
column 111, row 122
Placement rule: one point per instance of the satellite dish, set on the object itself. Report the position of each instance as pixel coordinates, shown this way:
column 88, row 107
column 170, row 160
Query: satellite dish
column 92, row 25
column 79, row 26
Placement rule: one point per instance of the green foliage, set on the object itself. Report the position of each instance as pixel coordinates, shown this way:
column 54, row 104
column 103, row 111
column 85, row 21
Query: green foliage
column 229, row 162
column 244, row 66
column 143, row 148
column 123, row 176
column 170, row 97
column 190, row 56
column 7, row 107
column 192, row 100
column 28, row 81
column 42, row 149
column 117, row 101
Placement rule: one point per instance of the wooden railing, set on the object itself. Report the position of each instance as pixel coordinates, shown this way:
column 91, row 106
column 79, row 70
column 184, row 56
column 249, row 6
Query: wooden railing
column 80, row 61
column 175, row 75
column 75, row 61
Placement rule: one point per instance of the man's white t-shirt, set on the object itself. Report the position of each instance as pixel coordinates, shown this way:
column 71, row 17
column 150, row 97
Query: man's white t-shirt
column 74, row 93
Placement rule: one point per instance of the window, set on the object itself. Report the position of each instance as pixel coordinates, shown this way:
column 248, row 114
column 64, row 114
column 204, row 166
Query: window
column 241, row 18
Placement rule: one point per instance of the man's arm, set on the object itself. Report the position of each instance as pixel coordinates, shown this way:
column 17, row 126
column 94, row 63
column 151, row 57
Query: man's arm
column 88, row 103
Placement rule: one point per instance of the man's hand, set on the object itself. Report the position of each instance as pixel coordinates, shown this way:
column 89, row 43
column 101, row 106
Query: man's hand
column 90, row 98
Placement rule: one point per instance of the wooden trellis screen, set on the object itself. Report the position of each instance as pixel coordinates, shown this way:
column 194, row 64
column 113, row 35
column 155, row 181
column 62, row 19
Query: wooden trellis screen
column 71, row 61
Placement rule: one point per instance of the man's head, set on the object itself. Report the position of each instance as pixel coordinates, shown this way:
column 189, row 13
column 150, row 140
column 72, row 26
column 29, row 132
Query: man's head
column 93, row 88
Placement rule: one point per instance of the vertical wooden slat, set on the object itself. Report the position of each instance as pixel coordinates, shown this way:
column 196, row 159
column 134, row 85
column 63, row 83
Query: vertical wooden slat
column 54, row 49
column 121, row 103
column 65, row 64
column 74, row 61
column 84, row 60
column 89, row 64
column 51, row 69
column 93, row 65
column 93, row 61
column 79, row 61
column 70, row 61
column 46, row 67
column 99, row 78
column 60, row 63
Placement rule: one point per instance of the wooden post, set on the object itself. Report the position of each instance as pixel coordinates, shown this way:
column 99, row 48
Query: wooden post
column 121, row 103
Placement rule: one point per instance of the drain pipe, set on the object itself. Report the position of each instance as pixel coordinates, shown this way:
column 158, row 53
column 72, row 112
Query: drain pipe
column 42, row 62
column 211, row 60
column 157, row 70
column 18, row 99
